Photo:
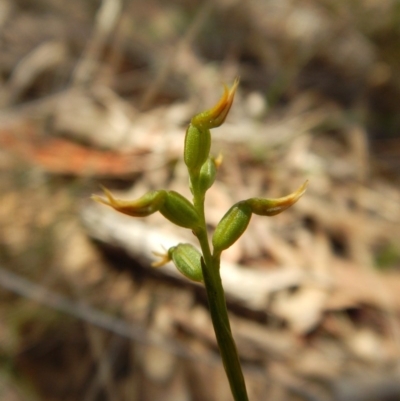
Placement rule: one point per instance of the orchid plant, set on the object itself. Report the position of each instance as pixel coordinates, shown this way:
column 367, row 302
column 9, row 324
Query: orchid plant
column 204, row 265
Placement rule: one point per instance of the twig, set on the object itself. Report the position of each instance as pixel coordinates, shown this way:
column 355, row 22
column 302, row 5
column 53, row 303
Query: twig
column 35, row 292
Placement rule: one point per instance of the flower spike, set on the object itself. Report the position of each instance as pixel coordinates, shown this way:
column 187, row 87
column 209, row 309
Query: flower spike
column 203, row 266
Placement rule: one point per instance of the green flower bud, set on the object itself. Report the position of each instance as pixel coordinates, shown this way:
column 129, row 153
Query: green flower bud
column 197, row 147
column 187, row 260
column 208, row 172
column 144, row 206
column 177, row 209
column 272, row 207
column 231, row 227
column 198, row 137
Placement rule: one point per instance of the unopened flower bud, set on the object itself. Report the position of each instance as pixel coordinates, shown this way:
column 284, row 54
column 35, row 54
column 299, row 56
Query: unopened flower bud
column 197, row 147
column 231, row 227
column 187, row 260
column 216, row 116
column 207, row 175
column 177, row 209
column 271, row 207
column 144, row 206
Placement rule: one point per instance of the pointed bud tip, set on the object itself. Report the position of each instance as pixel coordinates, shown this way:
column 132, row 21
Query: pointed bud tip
column 109, row 201
column 99, row 199
column 281, row 204
column 300, row 192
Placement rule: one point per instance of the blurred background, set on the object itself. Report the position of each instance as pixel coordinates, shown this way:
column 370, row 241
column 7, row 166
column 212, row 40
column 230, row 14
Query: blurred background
column 100, row 93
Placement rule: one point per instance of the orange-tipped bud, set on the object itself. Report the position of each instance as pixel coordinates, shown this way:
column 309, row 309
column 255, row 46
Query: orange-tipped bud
column 216, row 116
column 144, row 206
column 271, row 207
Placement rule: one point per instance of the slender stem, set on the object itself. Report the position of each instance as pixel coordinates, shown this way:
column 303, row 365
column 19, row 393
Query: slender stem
column 217, row 305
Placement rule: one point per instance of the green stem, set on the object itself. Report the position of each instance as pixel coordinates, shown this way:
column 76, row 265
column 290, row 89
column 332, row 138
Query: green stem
column 217, row 305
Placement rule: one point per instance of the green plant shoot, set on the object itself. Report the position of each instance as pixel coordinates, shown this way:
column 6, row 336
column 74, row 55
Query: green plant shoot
column 204, row 266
